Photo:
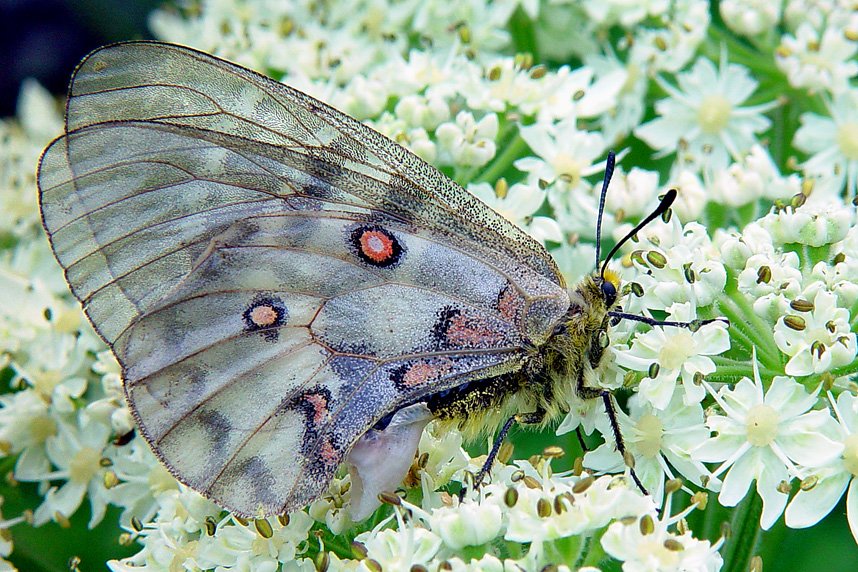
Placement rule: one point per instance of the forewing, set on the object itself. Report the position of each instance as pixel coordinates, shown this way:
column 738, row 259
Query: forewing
column 151, row 81
column 266, row 314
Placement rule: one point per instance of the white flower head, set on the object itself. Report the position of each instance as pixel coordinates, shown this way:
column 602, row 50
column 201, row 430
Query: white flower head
column 466, row 141
column 76, row 451
column 564, row 153
column 649, row 544
column 670, row 46
column 754, row 176
column 761, row 435
column 817, row 340
column 771, row 280
column 681, row 354
column 814, row 223
column 750, row 17
column 827, row 483
column 818, row 61
column 703, row 119
column 833, row 144
column 661, row 442
column 676, row 263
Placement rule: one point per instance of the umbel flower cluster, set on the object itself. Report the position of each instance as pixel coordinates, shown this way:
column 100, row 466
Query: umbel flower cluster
column 748, row 108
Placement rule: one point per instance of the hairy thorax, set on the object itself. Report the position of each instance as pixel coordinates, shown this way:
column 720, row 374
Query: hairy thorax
column 561, row 371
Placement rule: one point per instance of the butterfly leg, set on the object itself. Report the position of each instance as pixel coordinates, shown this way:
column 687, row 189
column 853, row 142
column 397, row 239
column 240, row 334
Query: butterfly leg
column 523, row 418
column 611, row 409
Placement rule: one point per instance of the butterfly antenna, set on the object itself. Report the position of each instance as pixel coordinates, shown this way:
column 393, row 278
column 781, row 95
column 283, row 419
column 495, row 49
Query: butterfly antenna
column 609, row 171
column 665, row 203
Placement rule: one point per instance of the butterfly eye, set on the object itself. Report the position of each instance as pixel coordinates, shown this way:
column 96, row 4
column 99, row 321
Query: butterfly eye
column 609, row 291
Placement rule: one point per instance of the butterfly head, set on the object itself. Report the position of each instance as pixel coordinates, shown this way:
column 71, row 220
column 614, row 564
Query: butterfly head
column 592, row 299
column 609, row 284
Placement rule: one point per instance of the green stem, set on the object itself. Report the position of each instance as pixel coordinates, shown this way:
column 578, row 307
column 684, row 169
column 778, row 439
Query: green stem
column 741, row 547
column 743, row 331
column 729, row 368
column 762, row 331
column 848, row 369
column 591, row 552
column 740, row 52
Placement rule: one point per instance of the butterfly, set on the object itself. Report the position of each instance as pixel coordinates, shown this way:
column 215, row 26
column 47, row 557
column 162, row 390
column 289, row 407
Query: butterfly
column 288, row 291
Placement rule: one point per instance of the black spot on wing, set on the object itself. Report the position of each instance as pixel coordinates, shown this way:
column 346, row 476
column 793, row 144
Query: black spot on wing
column 265, row 314
column 218, row 427
column 442, row 325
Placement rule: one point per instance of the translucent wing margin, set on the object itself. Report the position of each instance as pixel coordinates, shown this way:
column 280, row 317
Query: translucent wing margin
column 270, row 288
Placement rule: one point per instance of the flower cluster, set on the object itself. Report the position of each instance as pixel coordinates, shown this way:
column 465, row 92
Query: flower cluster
column 753, row 119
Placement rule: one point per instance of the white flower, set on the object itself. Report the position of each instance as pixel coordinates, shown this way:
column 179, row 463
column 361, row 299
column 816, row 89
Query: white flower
column 467, row 142
column 647, row 544
column 427, row 112
column 589, row 506
column 658, row 440
column 814, row 224
column 670, row 46
column 76, row 451
column 518, row 204
column 679, row 353
column 818, row 340
column 485, row 23
column 771, row 280
column 677, row 263
column 632, row 193
column 564, row 153
column 833, row 143
column 467, row 524
column 629, row 105
column 750, row 17
column 141, row 478
column 818, row 13
column 827, row 483
column 26, row 423
column 755, row 176
column 692, row 195
column 627, row 14
column 400, row 549
column 818, row 61
column 444, row 456
column 574, row 93
column 262, row 545
column 502, row 84
column 760, row 436
column 703, row 119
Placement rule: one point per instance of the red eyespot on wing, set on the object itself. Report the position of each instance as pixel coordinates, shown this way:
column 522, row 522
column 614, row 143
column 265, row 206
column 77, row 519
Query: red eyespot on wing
column 461, row 329
column 319, row 406
column 376, row 246
column 510, row 303
column 329, row 453
column 265, row 314
column 410, row 375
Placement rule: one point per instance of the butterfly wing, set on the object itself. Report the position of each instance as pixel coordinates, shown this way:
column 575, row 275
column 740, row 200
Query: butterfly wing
column 273, row 276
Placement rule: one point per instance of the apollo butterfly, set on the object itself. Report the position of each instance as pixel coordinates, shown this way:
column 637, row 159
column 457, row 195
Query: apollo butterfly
column 287, row 290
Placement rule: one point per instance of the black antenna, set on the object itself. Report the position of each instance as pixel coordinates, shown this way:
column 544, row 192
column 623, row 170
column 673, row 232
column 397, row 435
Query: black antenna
column 665, row 203
column 609, row 171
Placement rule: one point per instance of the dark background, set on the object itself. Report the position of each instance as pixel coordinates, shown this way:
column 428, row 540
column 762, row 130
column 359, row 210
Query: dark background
column 44, row 39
